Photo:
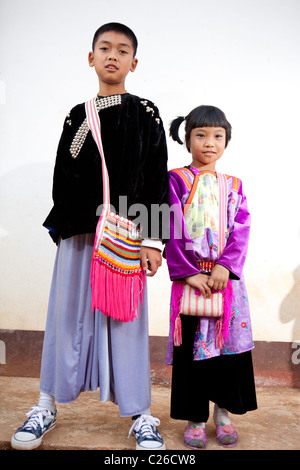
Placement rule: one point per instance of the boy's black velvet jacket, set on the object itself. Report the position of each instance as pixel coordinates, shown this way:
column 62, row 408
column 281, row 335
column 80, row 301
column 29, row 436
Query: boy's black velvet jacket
column 135, row 151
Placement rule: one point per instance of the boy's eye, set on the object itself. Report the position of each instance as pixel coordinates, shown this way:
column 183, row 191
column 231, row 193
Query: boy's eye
column 123, row 52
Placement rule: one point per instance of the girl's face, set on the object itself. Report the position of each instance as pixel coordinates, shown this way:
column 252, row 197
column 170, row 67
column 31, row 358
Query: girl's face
column 207, row 145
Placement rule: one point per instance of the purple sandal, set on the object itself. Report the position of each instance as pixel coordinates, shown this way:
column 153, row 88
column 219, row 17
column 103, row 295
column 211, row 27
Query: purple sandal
column 195, row 437
column 226, row 435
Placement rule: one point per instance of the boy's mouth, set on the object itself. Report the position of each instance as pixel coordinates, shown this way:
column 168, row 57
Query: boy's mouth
column 111, row 67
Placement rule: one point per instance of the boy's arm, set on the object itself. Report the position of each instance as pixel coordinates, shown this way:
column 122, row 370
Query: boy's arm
column 151, row 260
column 62, row 165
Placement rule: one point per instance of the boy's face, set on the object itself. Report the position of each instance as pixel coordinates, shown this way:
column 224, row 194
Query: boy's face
column 112, row 58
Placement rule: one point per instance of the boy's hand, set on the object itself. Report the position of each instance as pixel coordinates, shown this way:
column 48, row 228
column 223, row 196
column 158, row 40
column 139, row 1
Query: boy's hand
column 151, row 259
column 200, row 282
column 219, row 277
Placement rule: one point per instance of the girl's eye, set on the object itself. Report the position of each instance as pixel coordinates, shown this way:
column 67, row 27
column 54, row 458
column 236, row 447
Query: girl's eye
column 219, row 136
column 200, row 135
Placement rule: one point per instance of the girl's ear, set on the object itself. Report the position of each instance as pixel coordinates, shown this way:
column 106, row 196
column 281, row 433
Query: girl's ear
column 133, row 65
column 91, row 59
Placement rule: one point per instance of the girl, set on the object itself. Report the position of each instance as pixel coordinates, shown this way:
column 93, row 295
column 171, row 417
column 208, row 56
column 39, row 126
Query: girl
column 205, row 369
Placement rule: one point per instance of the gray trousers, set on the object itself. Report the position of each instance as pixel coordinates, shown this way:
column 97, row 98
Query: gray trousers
column 85, row 350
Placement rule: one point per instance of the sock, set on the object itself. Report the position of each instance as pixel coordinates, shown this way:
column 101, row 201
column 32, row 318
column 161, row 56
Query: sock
column 193, row 423
column 47, row 401
column 146, row 412
column 221, row 416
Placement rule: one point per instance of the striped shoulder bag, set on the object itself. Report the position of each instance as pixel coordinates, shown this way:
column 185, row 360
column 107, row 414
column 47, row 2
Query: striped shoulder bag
column 116, row 275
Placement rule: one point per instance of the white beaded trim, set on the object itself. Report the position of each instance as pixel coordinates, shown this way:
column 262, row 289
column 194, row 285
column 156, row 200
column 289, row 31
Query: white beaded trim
column 80, row 136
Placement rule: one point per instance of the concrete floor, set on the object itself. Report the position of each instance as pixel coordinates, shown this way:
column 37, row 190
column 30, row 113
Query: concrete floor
column 87, row 424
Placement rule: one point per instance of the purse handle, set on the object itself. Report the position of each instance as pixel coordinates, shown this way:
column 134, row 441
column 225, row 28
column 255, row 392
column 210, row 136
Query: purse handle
column 93, row 122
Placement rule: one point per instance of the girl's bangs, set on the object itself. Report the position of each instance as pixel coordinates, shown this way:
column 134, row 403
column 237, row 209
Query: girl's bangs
column 209, row 118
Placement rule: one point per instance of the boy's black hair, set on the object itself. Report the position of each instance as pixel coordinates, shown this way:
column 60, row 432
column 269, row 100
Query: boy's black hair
column 118, row 28
column 202, row 116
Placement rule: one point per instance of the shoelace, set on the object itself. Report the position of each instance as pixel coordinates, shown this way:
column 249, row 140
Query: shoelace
column 36, row 415
column 146, row 421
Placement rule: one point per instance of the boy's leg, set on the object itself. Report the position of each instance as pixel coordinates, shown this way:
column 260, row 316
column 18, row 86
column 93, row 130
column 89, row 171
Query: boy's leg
column 68, row 309
column 41, row 419
column 131, row 379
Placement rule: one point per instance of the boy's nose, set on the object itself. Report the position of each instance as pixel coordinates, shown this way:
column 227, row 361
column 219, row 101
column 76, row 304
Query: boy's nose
column 112, row 55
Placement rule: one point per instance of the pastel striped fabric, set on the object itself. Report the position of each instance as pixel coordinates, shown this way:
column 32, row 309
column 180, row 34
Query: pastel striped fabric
column 116, row 273
column 93, row 121
column 192, row 303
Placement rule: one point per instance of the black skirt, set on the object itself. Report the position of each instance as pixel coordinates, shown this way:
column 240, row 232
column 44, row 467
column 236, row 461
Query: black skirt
column 227, row 380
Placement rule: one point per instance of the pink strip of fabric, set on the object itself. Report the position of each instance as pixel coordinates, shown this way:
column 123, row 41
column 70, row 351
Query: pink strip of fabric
column 94, row 125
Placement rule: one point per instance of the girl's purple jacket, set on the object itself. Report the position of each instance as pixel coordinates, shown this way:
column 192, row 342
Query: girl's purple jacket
column 194, row 238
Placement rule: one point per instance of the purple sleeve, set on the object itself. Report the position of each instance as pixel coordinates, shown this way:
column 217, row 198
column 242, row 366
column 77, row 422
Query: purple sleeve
column 234, row 254
column 179, row 251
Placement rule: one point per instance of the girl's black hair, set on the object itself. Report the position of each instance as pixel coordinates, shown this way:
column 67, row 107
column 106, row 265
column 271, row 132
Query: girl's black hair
column 202, row 116
column 117, row 28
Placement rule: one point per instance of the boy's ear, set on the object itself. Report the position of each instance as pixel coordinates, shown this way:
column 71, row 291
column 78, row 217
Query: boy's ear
column 91, row 59
column 133, row 65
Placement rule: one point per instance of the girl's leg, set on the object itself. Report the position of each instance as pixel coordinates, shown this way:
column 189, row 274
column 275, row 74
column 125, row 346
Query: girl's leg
column 189, row 400
column 226, row 434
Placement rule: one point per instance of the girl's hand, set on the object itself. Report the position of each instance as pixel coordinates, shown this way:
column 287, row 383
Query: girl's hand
column 199, row 281
column 218, row 278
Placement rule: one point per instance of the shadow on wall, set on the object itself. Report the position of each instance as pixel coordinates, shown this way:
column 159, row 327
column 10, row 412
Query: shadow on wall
column 290, row 312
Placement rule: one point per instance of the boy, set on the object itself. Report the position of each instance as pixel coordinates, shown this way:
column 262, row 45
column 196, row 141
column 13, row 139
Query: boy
column 84, row 350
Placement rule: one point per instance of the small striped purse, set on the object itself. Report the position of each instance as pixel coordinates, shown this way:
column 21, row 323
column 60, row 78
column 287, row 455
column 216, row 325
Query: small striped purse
column 116, row 275
column 192, row 301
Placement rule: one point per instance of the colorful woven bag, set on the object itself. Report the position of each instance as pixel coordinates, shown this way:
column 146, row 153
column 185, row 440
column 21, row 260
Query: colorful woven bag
column 116, row 274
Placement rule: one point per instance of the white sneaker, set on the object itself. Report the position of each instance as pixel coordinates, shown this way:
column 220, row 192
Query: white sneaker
column 29, row 436
column 146, row 435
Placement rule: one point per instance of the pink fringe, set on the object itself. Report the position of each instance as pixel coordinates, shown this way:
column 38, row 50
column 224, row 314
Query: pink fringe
column 177, row 332
column 176, row 294
column 222, row 325
column 115, row 294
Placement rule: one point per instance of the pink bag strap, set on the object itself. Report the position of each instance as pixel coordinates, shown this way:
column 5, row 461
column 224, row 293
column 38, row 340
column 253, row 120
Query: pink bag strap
column 93, row 122
column 223, row 201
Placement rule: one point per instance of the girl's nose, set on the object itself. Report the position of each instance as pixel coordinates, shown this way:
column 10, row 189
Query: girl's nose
column 209, row 142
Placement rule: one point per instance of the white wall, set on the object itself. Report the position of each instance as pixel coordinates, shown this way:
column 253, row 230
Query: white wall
column 242, row 56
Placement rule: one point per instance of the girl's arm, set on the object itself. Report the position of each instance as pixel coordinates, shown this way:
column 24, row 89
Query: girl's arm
column 179, row 251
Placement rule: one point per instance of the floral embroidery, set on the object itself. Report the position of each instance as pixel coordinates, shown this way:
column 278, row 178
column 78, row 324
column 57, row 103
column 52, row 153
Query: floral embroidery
column 235, row 311
column 201, row 348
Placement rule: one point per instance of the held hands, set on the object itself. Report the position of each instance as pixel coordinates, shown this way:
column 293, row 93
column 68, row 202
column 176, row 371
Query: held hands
column 151, row 259
column 217, row 280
